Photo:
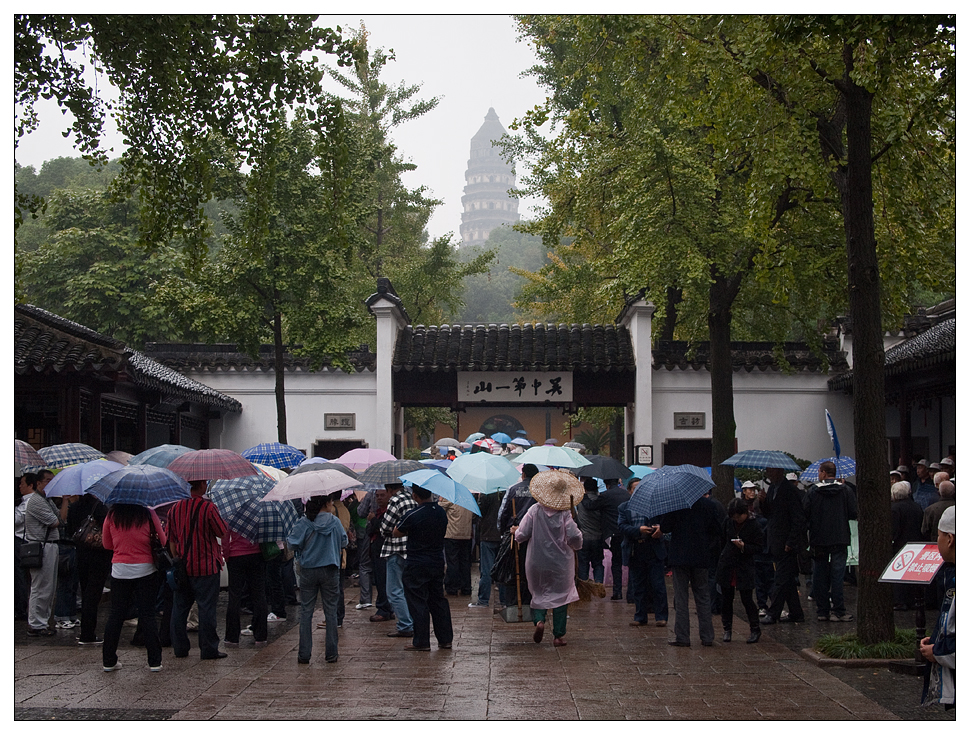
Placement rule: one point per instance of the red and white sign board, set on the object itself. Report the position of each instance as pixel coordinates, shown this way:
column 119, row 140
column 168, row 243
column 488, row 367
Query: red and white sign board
column 915, row 563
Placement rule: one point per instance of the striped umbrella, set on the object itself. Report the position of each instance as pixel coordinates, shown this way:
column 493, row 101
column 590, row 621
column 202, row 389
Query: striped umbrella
column 78, row 478
column 140, row 484
column 64, row 455
column 672, row 487
column 240, row 504
column 211, row 464
column 274, row 454
column 27, row 456
column 759, row 459
column 161, row 456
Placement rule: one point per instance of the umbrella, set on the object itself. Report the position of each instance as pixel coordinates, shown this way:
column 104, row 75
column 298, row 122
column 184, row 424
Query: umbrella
column 844, row 466
column 314, row 460
column 76, row 479
column 160, row 456
column 447, row 442
column 240, row 504
column 672, row 487
column 64, row 455
column 273, row 473
column 521, row 441
column 438, row 464
column 551, row 442
column 443, row 486
column 317, row 466
column 363, row 457
column 485, row 443
column 550, row 456
column 389, row 471
column 575, row 445
column 274, row 454
column 26, row 455
column 305, row 485
column 640, row 471
column 140, row 484
column 759, row 459
column 484, row 473
column 116, row 455
column 605, row 468
column 211, row 464
column 471, row 438
column 501, row 437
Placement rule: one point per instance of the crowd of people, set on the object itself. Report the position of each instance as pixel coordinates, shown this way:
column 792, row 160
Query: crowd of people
column 408, row 550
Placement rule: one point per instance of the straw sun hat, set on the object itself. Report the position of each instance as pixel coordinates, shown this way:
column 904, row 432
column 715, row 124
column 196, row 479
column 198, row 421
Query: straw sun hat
column 555, row 488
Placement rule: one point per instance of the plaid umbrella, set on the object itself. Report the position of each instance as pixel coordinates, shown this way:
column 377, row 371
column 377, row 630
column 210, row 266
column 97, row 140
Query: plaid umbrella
column 211, row 464
column 444, row 486
column 845, row 467
column 240, row 504
column 27, row 456
column 362, row 458
column 759, row 459
column 390, row 471
column 672, row 487
column 605, row 468
column 550, row 456
column 140, row 484
column 274, row 454
column 317, row 466
column 307, row 484
column 484, row 473
column 160, row 456
column 76, row 479
column 64, row 455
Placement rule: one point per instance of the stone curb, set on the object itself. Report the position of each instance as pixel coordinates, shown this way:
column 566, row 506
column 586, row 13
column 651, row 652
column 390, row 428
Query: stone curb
column 820, row 660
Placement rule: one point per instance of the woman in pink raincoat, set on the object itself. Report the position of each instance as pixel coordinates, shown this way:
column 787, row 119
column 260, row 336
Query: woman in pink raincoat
column 550, row 560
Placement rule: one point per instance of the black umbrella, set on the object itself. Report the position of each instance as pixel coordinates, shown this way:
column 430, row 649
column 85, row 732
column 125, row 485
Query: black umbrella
column 605, row 468
column 389, row 471
column 315, row 466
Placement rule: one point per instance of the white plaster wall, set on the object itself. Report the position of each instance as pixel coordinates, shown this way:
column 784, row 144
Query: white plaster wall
column 772, row 411
column 308, row 397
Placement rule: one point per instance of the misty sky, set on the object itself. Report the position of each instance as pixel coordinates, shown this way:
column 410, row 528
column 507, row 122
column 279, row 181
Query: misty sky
column 471, row 62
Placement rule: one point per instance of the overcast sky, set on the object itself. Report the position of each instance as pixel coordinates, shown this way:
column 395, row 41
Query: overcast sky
column 471, row 62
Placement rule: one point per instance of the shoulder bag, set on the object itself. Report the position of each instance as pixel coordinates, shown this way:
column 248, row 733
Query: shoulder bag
column 88, row 536
column 31, row 553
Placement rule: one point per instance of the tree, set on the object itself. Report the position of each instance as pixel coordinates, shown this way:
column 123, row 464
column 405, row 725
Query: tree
column 181, row 79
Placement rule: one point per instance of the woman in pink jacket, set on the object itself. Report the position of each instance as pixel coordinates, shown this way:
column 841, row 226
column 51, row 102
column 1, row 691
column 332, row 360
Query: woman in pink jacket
column 134, row 579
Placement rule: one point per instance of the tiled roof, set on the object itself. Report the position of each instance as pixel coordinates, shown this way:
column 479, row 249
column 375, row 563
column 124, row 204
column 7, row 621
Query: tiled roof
column 750, row 356
column 936, row 346
column 224, row 357
column 45, row 342
column 515, row 347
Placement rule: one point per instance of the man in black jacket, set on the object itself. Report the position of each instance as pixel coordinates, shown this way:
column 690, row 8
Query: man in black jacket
column 609, row 504
column 782, row 507
column 829, row 506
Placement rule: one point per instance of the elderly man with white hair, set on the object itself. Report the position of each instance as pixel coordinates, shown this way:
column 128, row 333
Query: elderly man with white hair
column 940, row 649
column 907, row 521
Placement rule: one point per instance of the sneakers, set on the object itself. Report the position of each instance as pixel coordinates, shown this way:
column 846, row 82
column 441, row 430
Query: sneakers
column 363, row 605
column 95, row 642
column 271, row 618
column 248, row 630
column 113, row 668
column 67, row 624
column 477, row 604
column 824, row 618
column 155, row 668
column 844, row 618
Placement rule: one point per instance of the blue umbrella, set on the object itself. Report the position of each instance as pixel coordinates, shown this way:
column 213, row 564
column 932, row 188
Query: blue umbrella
column 160, row 456
column 76, row 479
column 140, row 484
column 759, row 459
column 444, row 486
column 672, row 487
column 474, row 437
column 314, row 460
column 483, row 472
column 640, row 471
column 501, row 437
column 845, row 467
column 274, row 454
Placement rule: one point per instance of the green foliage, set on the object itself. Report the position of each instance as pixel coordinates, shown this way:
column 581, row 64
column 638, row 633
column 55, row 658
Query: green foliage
column 848, row 646
column 425, row 420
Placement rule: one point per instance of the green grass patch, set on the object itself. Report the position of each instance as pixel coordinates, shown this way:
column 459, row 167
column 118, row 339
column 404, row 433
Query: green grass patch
column 849, row 646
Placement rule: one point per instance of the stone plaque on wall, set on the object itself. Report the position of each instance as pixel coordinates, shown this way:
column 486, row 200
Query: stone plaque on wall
column 333, row 421
column 689, row 420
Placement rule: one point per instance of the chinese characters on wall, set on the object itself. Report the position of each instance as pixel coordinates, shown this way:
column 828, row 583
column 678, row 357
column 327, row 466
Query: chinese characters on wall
column 512, row 387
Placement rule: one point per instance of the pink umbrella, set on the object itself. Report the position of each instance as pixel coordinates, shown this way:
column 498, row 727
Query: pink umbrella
column 363, row 457
column 211, row 464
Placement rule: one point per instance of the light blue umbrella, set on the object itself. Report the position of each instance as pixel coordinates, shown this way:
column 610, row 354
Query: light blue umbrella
column 845, row 467
column 160, row 456
column 474, row 437
column 140, row 484
column 501, row 437
column 550, row 456
column 759, row 459
column 483, row 472
column 640, row 471
column 672, row 487
column 314, row 460
column 444, row 486
column 78, row 478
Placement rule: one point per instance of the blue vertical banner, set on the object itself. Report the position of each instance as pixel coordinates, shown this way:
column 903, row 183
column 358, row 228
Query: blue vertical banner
column 832, row 434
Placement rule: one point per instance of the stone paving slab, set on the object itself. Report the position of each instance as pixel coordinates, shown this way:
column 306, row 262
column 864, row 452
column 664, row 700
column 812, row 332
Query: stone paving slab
column 608, row 671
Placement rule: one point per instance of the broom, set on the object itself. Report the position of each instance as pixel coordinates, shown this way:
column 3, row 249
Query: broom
column 587, row 589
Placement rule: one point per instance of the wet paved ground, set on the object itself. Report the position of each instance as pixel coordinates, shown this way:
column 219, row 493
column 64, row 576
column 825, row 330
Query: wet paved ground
column 607, row 671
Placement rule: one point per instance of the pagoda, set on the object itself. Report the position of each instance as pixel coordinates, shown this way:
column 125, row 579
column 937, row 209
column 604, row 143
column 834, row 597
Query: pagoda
column 486, row 203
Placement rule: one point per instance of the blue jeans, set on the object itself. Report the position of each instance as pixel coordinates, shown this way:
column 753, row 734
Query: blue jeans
column 326, row 581
column 828, row 577
column 395, row 593
column 486, row 557
column 205, row 591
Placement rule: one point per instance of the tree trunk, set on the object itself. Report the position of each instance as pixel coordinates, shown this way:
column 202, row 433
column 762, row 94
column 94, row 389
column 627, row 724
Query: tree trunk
column 279, row 370
column 875, row 615
column 674, row 297
column 723, row 427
